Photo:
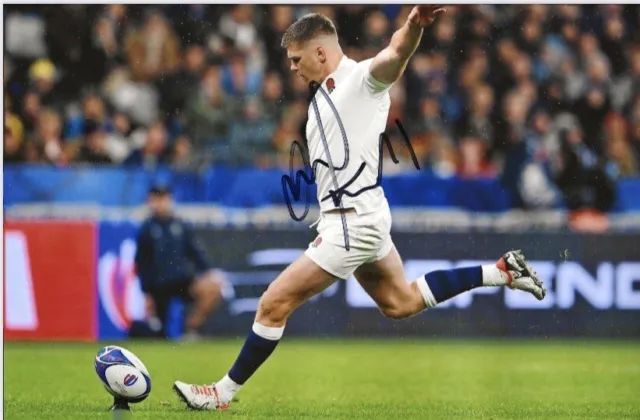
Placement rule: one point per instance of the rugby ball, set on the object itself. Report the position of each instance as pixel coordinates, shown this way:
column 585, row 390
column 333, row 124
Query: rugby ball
column 123, row 375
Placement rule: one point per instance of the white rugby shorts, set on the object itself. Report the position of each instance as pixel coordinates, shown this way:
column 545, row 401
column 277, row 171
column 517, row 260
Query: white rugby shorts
column 369, row 240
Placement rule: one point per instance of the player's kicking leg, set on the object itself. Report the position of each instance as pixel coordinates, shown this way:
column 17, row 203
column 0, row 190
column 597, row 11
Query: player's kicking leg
column 295, row 285
column 384, row 281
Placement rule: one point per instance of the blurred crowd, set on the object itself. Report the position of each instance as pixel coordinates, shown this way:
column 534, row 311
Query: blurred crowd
column 547, row 97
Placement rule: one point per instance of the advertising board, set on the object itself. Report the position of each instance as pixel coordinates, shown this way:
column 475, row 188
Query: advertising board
column 593, row 284
column 77, row 281
column 49, row 288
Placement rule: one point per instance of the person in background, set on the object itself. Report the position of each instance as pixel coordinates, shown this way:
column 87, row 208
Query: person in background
column 153, row 51
column 170, row 264
column 93, row 150
column 13, row 146
column 154, row 152
column 583, row 177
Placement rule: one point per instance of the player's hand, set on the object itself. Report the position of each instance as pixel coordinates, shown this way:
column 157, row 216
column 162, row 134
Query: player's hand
column 149, row 306
column 424, row 15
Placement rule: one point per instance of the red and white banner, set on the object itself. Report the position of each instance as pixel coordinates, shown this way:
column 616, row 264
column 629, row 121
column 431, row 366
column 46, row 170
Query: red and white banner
column 49, row 281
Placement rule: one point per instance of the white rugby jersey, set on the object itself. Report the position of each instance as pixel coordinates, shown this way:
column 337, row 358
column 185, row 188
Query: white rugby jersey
column 362, row 103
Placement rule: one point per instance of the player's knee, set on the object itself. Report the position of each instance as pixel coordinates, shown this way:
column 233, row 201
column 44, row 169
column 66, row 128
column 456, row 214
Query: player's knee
column 273, row 309
column 214, row 289
column 202, row 290
column 208, row 284
column 396, row 311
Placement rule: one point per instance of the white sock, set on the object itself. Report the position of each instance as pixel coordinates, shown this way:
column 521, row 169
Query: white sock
column 425, row 291
column 227, row 389
column 493, row 276
column 270, row 333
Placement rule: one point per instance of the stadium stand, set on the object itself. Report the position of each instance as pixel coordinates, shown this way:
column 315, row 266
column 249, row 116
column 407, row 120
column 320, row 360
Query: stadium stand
column 532, row 108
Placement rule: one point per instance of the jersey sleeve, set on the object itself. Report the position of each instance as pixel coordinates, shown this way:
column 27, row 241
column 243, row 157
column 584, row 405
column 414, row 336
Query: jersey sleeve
column 370, row 84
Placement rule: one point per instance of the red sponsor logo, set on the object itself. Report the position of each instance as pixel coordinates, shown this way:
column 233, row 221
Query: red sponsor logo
column 317, row 242
column 49, row 281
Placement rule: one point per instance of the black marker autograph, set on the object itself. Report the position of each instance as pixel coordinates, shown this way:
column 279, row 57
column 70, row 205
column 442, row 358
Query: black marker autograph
column 289, row 185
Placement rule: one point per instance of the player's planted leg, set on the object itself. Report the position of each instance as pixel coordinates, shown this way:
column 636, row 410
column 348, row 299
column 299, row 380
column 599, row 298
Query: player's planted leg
column 300, row 281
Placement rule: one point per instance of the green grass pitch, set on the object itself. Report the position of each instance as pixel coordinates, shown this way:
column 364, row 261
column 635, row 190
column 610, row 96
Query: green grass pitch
column 345, row 379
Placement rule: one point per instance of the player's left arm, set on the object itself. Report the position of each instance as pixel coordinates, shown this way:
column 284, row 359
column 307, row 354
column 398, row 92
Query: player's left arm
column 387, row 67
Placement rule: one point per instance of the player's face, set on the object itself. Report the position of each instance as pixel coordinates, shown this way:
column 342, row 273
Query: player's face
column 306, row 62
column 160, row 205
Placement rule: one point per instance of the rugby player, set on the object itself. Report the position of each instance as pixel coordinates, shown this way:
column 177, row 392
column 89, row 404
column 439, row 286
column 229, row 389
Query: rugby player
column 347, row 114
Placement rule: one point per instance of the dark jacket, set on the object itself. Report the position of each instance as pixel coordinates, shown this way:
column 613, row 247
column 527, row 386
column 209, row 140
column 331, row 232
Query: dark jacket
column 138, row 159
column 167, row 252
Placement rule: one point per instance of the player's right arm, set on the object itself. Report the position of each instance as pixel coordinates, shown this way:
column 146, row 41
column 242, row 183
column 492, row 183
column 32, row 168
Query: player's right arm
column 390, row 63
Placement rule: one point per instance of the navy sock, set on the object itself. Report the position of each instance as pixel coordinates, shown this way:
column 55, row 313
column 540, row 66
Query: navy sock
column 445, row 284
column 254, row 352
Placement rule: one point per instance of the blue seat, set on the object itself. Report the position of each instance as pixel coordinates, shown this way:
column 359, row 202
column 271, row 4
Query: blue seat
column 253, row 188
column 416, row 189
column 628, row 195
column 105, row 186
column 480, row 195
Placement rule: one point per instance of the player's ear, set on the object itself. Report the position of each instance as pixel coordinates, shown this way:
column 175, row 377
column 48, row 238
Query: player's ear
column 321, row 54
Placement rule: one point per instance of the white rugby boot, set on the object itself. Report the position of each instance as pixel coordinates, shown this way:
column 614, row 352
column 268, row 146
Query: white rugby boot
column 521, row 275
column 199, row 397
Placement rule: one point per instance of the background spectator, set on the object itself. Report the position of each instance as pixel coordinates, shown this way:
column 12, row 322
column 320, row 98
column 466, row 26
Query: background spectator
column 154, row 151
column 543, row 96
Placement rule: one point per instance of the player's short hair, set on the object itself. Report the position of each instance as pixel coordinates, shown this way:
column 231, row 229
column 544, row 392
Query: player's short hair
column 307, row 28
